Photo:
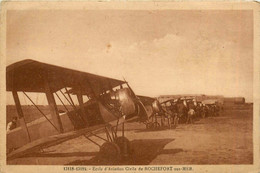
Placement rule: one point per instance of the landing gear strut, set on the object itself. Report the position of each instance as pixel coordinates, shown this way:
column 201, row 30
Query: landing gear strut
column 115, row 148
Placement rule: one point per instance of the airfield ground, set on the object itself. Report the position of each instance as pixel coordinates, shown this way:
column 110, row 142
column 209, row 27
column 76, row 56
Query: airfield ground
column 226, row 139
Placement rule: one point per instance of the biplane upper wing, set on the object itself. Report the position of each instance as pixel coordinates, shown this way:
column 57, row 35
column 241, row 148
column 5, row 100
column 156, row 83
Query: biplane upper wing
column 146, row 100
column 169, row 100
column 209, row 101
column 31, row 76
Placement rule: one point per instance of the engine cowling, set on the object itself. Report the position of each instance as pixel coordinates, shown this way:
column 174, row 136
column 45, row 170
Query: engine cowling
column 156, row 106
column 127, row 104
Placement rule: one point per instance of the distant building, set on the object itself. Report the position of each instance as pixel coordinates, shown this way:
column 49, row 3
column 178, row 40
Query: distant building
column 234, row 100
column 240, row 100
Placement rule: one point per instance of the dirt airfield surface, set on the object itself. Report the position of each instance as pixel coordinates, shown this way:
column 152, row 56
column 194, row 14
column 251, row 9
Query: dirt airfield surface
column 226, row 139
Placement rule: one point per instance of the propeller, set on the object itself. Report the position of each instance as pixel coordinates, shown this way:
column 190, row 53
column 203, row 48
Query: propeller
column 140, row 105
column 131, row 89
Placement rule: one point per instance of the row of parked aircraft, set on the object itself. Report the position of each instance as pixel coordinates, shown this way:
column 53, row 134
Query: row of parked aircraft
column 181, row 110
column 111, row 103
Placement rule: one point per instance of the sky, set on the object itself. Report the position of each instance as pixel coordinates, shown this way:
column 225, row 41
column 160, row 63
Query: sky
column 158, row 52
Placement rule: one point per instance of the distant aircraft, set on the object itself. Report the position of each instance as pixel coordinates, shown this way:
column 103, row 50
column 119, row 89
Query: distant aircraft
column 110, row 103
column 156, row 110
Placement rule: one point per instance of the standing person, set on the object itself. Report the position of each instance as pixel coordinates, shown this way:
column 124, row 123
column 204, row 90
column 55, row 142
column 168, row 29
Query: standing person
column 181, row 110
column 198, row 110
column 191, row 114
column 217, row 110
column 175, row 115
column 203, row 111
column 12, row 125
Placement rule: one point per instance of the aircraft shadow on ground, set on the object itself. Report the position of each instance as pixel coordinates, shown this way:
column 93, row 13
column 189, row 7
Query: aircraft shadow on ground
column 144, row 152
column 161, row 128
column 165, row 127
column 46, row 154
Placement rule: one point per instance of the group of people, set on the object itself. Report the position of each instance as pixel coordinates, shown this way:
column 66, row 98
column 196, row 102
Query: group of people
column 185, row 110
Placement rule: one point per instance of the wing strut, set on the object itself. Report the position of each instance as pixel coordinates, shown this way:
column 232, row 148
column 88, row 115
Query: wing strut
column 62, row 102
column 81, row 105
column 80, row 115
column 20, row 114
column 66, row 97
column 72, row 103
column 40, row 111
column 93, row 92
column 52, row 104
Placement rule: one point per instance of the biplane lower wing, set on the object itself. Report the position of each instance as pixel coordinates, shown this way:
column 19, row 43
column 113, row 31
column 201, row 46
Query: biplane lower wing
column 57, row 139
column 51, row 141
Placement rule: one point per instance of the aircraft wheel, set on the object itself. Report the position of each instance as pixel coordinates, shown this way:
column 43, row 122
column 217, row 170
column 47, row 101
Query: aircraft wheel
column 176, row 122
column 110, row 152
column 149, row 125
column 156, row 125
column 124, row 146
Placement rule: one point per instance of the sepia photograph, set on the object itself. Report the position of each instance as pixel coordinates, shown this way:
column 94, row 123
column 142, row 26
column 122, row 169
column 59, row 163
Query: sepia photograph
column 127, row 87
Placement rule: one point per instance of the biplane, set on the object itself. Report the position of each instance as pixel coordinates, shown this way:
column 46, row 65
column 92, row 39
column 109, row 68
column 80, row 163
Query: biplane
column 212, row 107
column 110, row 103
column 152, row 110
column 171, row 108
column 147, row 102
column 155, row 112
column 179, row 108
